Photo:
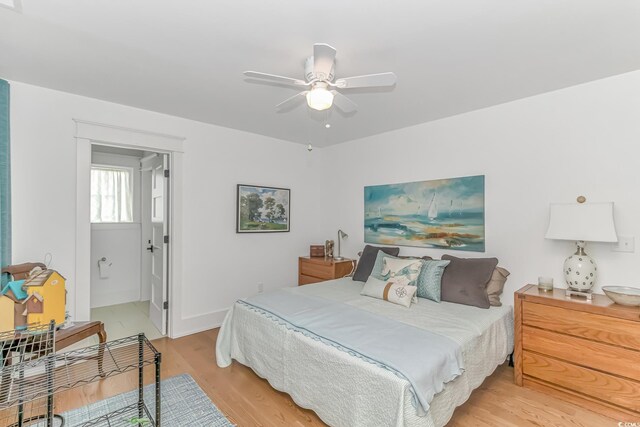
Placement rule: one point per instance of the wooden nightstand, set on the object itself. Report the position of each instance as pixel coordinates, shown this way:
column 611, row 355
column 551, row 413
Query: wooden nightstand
column 587, row 353
column 313, row 270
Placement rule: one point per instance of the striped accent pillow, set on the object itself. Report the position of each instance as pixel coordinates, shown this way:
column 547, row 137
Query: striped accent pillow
column 389, row 291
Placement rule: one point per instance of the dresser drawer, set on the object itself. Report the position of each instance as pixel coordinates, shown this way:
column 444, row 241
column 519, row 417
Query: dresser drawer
column 603, row 357
column 582, row 324
column 324, row 272
column 605, row 387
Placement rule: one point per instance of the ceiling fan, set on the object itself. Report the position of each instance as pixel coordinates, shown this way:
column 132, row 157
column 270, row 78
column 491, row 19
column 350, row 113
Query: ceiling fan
column 321, row 90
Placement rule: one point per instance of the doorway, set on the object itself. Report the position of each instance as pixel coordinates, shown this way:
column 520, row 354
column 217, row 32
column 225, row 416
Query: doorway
column 129, row 195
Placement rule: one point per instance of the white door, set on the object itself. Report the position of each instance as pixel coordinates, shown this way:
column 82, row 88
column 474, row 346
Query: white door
column 159, row 252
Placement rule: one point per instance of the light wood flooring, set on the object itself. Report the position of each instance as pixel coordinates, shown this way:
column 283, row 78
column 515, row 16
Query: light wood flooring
column 248, row 400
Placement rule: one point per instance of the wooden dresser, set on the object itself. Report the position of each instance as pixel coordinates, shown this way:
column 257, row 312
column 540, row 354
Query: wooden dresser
column 585, row 352
column 319, row 269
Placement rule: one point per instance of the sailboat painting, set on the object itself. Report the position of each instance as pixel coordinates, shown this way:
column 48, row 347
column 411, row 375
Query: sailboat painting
column 443, row 213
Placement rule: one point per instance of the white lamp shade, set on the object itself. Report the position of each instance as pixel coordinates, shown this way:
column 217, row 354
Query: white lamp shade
column 591, row 222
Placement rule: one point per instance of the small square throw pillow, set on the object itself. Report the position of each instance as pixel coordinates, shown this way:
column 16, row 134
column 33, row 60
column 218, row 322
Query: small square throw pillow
column 403, row 271
column 368, row 258
column 389, row 291
column 429, row 280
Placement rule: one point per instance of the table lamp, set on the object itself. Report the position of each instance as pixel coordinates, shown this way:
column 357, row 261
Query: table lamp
column 581, row 222
column 341, row 235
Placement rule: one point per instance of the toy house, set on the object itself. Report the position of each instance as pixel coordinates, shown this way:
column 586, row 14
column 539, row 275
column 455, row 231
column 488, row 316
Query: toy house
column 46, row 297
column 12, row 307
column 38, row 299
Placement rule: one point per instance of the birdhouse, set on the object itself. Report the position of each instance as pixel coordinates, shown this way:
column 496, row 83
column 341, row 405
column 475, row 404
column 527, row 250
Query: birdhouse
column 35, row 304
column 46, row 297
column 12, row 309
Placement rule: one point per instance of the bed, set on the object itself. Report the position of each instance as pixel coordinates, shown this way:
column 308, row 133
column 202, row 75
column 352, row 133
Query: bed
column 345, row 390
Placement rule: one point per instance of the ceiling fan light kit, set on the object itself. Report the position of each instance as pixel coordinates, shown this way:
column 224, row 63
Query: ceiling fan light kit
column 322, row 93
column 319, row 98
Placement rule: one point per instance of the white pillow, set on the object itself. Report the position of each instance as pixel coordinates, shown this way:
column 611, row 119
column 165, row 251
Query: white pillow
column 401, row 271
column 389, row 291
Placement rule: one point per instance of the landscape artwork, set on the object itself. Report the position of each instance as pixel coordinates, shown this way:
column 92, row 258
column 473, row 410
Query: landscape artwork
column 262, row 209
column 443, row 213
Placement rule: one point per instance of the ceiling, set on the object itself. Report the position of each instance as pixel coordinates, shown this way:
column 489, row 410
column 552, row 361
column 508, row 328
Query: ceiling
column 186, row 58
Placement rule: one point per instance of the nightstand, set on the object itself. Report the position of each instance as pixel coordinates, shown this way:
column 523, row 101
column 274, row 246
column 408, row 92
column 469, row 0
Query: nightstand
column 587, row 353
column 319, row 269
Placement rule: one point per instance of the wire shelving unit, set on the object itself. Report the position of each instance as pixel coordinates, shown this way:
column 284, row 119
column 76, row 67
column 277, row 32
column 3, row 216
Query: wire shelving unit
column 29, row 385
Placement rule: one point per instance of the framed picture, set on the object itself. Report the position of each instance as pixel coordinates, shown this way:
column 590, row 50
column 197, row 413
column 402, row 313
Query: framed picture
column 262, row 209
column 443, row 213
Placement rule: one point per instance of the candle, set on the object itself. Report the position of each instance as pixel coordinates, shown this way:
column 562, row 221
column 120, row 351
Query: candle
column 545, row 283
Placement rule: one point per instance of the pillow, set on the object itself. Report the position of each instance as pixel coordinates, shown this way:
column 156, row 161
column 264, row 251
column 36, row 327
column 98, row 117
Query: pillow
column 404, row 271
column 465, row 280
column 389, row 291
column 368, row 258
column 401, row 271
column 429, row 281
column 496, row 285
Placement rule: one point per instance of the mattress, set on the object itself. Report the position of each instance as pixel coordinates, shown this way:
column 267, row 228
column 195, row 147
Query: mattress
column 345, row 390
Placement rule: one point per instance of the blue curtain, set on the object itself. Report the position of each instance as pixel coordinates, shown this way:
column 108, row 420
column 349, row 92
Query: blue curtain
column 5, row 179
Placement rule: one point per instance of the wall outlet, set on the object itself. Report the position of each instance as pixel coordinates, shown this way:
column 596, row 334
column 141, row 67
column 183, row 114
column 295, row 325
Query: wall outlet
column 260, row 287
column 625, row 244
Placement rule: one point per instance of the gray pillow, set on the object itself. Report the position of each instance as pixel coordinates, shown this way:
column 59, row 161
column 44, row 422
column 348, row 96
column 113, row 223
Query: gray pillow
column 368, row 258
column 465, row 280
column 429, row 281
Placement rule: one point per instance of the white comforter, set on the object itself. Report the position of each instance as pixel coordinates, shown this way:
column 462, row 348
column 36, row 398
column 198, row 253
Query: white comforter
column 347, row 391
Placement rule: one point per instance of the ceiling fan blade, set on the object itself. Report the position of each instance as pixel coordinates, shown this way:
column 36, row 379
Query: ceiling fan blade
column 323, row 60
column 291, row 102
column 274, row 78
column 343, row 103
column 369, row 80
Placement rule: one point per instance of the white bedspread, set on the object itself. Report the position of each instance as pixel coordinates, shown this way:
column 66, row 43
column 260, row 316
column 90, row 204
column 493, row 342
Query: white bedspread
column 346, row 391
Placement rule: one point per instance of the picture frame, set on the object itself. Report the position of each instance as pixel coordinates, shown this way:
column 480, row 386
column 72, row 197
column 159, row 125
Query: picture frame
column 441, row 214
column 262, row 209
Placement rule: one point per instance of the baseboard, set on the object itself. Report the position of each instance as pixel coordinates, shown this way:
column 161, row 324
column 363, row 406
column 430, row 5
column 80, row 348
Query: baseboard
column 198, row 323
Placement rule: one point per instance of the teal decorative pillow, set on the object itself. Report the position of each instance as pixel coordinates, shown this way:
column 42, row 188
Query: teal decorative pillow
column 428, row 281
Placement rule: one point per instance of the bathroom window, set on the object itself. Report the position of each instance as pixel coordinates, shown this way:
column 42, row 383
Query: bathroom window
column 111, row 194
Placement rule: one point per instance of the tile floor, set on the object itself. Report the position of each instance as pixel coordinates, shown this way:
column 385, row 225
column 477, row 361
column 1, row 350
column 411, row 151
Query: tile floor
column 120, row 321
column 124, row 320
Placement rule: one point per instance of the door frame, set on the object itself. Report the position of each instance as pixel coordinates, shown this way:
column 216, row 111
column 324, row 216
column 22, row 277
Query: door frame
column 88, row 133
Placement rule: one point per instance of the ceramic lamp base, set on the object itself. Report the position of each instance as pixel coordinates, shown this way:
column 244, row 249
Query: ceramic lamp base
column 580, row 270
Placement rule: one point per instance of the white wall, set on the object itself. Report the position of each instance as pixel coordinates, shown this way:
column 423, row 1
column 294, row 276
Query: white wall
column 119, row 243
column 582, row 140
column 219, row 265
column 552, row 147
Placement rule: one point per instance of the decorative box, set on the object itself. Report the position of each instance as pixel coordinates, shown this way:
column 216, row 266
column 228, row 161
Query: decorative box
column 316, row 250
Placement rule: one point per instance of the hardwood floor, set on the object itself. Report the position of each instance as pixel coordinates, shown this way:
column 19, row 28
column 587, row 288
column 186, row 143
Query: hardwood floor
column 248, row 400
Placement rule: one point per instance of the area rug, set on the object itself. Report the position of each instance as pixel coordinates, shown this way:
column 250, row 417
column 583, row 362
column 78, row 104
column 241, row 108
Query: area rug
column 183, row 404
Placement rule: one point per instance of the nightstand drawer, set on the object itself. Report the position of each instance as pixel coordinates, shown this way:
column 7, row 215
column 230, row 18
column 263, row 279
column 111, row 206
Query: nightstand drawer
column 607, row 388
column 596, row 355
column 307, row 280
column 595, row 327
column 323, row 272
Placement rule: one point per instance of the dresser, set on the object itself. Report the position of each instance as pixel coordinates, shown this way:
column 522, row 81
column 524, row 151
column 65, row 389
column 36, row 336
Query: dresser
column 319, row 269
column 587, row 353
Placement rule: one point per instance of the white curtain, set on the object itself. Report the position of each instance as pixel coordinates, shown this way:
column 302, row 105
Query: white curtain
column 111, row 195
